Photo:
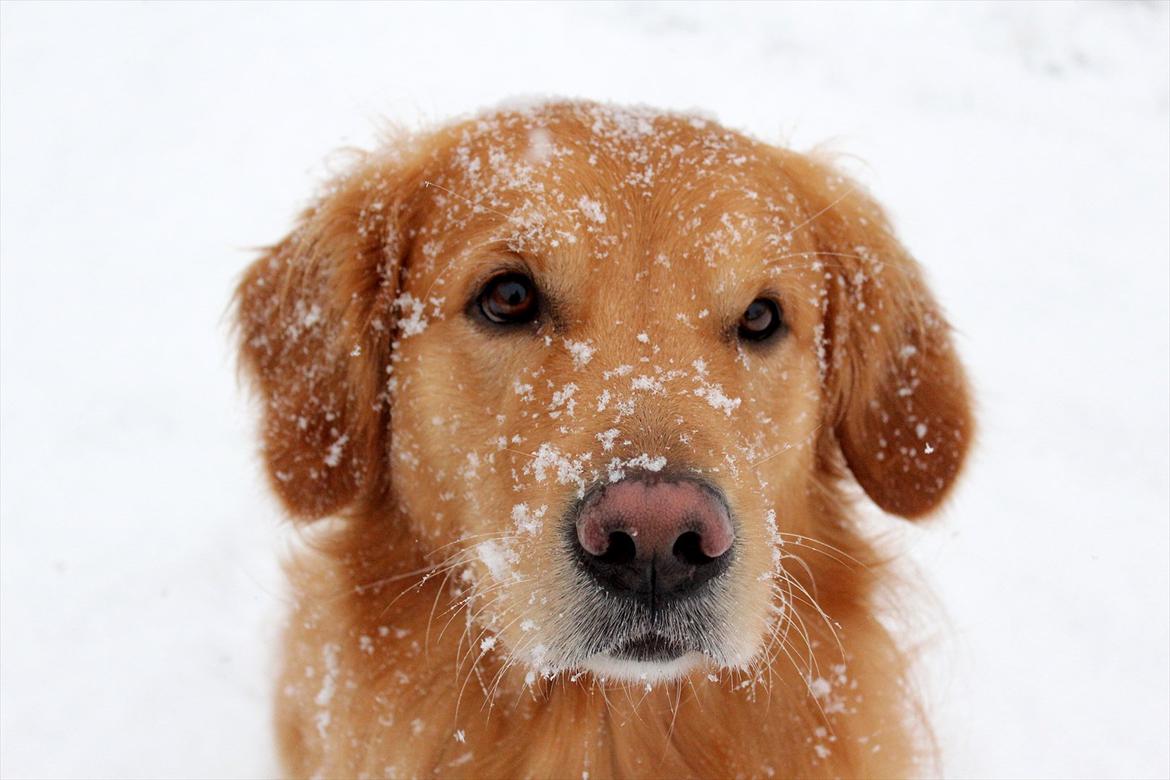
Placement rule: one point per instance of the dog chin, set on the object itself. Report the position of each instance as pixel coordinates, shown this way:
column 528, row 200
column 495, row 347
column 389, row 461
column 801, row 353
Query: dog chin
column 607, row 667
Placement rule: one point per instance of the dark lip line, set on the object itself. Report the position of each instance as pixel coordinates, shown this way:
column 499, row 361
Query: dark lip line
column 650, row 646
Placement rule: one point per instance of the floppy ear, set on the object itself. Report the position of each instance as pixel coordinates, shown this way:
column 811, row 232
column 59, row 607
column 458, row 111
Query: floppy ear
column 899, row 401
column 315, row 316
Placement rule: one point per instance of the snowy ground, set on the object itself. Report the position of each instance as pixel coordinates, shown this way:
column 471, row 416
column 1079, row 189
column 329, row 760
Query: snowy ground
column 1022, row 151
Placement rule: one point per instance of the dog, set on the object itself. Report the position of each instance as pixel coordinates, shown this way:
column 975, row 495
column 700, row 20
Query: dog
column 570, row 403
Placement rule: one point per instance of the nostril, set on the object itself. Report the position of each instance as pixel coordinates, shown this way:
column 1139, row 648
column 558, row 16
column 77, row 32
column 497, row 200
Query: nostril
column 621, row 549
column 688, row 548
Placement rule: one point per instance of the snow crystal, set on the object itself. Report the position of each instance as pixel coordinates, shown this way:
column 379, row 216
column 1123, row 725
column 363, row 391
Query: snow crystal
column 461, row 760
column 323, row 718
column 498, row 557
column 649, row 384
column 648, row 463
column 568, row 471
column 411, row 319
column 528, row 521
column 616, row 468
column 777, row 541
column 582, row 352
column 333, row 456
column 820, row 687
column 607, row 437
column 563, row 398
column 591, row 209
column 523, row 389
column 540, row 146
column 715, row 396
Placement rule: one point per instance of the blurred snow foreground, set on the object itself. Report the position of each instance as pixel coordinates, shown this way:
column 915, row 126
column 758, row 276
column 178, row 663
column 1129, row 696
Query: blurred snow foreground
column 1021, row 151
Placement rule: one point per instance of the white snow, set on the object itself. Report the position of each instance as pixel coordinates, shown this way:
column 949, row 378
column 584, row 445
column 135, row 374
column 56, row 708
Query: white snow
column 607, row 438
column 324, row 715
column 1021, row 151
column 582, row 352
column 333, row 455
column 410, row 319
column 528, row 521
column 718, row 399
column 591, row 209
column 499, row 558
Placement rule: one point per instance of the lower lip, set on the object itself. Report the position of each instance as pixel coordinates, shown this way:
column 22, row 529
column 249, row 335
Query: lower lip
column 651, row 647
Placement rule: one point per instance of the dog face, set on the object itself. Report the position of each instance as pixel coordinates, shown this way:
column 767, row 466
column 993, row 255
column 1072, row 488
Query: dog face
column 603, row 363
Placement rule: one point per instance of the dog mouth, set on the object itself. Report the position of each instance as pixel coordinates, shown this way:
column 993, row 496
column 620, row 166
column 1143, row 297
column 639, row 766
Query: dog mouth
column 650, row 558
column 649, row 648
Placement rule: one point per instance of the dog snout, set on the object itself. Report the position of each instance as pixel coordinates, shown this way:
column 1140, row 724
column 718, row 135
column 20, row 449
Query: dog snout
column 654, row 539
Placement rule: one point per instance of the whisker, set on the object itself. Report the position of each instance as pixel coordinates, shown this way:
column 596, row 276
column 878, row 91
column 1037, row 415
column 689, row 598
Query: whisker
column 814, row 252
column 466, row 201
column 845, row 195
column 431, row 574
column 474, row 618
column 469, row 537
column 787, row 446
column 673, row 716
column 808, row 541
column 489, row 697
column 434, row 605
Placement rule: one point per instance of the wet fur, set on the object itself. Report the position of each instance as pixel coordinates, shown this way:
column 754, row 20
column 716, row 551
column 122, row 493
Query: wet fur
column 386, row 670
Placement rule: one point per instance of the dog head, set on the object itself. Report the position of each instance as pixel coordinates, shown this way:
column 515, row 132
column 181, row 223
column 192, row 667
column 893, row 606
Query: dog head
column 603, row 363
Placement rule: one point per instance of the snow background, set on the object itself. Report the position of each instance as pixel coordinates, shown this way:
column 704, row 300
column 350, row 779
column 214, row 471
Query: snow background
column 1022, row 151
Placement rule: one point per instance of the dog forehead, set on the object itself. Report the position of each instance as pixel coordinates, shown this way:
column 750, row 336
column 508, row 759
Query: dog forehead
column 625, row 146
column 587, row 181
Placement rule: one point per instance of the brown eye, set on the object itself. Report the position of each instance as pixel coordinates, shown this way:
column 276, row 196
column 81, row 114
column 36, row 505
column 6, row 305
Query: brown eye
column 761, row 320
column 509, row 299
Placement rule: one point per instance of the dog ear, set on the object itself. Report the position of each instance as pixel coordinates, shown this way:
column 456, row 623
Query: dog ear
column 315, row 316
column 899, row 403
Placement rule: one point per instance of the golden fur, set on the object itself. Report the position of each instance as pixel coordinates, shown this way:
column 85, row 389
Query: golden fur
column 440, row 457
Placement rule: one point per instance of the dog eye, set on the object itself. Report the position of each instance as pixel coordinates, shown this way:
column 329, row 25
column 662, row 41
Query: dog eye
column 761, row 320
column 509, row 299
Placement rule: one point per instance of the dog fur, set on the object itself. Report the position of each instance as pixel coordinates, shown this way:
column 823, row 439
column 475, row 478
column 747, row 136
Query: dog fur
column 431, row 461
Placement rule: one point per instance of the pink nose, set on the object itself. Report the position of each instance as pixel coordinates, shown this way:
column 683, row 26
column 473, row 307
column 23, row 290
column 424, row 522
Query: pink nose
column 655, row 538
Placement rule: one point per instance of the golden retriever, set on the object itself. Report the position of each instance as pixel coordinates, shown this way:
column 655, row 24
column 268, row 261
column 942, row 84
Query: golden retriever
column 579, row 394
